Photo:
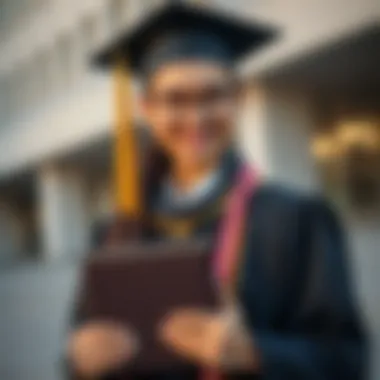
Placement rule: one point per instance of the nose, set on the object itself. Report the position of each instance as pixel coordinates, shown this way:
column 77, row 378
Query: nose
column 197, row 115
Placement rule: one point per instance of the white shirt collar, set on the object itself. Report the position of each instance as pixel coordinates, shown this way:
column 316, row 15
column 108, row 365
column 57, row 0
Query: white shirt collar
column 192, row 196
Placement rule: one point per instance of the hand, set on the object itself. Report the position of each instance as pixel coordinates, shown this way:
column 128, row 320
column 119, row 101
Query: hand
column 100, row 347
column 217, row 340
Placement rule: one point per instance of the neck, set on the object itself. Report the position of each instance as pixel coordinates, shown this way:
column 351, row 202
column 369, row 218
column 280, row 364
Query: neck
column 186, row 177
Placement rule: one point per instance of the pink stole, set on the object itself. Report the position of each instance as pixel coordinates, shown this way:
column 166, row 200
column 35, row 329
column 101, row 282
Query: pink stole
column 228, row 251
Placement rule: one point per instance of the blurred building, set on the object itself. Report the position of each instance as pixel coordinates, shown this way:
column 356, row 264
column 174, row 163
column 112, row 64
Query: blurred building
column 311, row 119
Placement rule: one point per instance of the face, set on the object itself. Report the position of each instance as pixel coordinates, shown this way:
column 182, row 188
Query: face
column 191, row 108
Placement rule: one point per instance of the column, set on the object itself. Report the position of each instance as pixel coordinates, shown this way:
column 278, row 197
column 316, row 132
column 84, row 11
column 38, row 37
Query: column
column 64, row 222
column 275, row 133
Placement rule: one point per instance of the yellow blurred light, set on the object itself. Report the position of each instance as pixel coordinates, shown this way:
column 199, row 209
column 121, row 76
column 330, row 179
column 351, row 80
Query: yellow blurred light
column 364, row 133
column 325, row 147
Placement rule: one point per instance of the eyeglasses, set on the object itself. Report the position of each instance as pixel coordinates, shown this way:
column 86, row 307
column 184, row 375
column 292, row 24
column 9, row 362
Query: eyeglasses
column 180, row 101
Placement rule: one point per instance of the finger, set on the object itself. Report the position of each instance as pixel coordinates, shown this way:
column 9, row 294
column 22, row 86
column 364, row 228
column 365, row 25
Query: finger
column 184, row 325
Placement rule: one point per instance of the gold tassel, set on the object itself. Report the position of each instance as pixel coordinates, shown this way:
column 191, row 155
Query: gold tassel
column 128, row 194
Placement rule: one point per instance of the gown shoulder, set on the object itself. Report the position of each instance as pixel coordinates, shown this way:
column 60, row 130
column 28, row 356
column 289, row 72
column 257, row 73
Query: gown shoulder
column 287, row 198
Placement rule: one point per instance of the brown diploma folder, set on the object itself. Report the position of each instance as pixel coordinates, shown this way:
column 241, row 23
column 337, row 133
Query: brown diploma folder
column 139, row 283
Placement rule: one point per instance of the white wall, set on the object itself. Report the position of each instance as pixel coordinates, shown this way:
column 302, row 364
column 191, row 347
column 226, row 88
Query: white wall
column 276, row 132
column 304, row 26
column 55, row 101
column 59, row 128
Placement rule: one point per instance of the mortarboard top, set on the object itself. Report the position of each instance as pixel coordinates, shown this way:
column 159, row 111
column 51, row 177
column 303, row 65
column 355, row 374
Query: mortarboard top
column 238, row 37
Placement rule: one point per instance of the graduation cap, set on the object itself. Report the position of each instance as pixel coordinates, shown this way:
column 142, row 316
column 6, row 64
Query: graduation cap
column 181, row 29
column 177, row 31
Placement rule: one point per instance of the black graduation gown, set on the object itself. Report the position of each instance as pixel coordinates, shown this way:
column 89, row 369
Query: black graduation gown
column 293, row 287
column 296, row 293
